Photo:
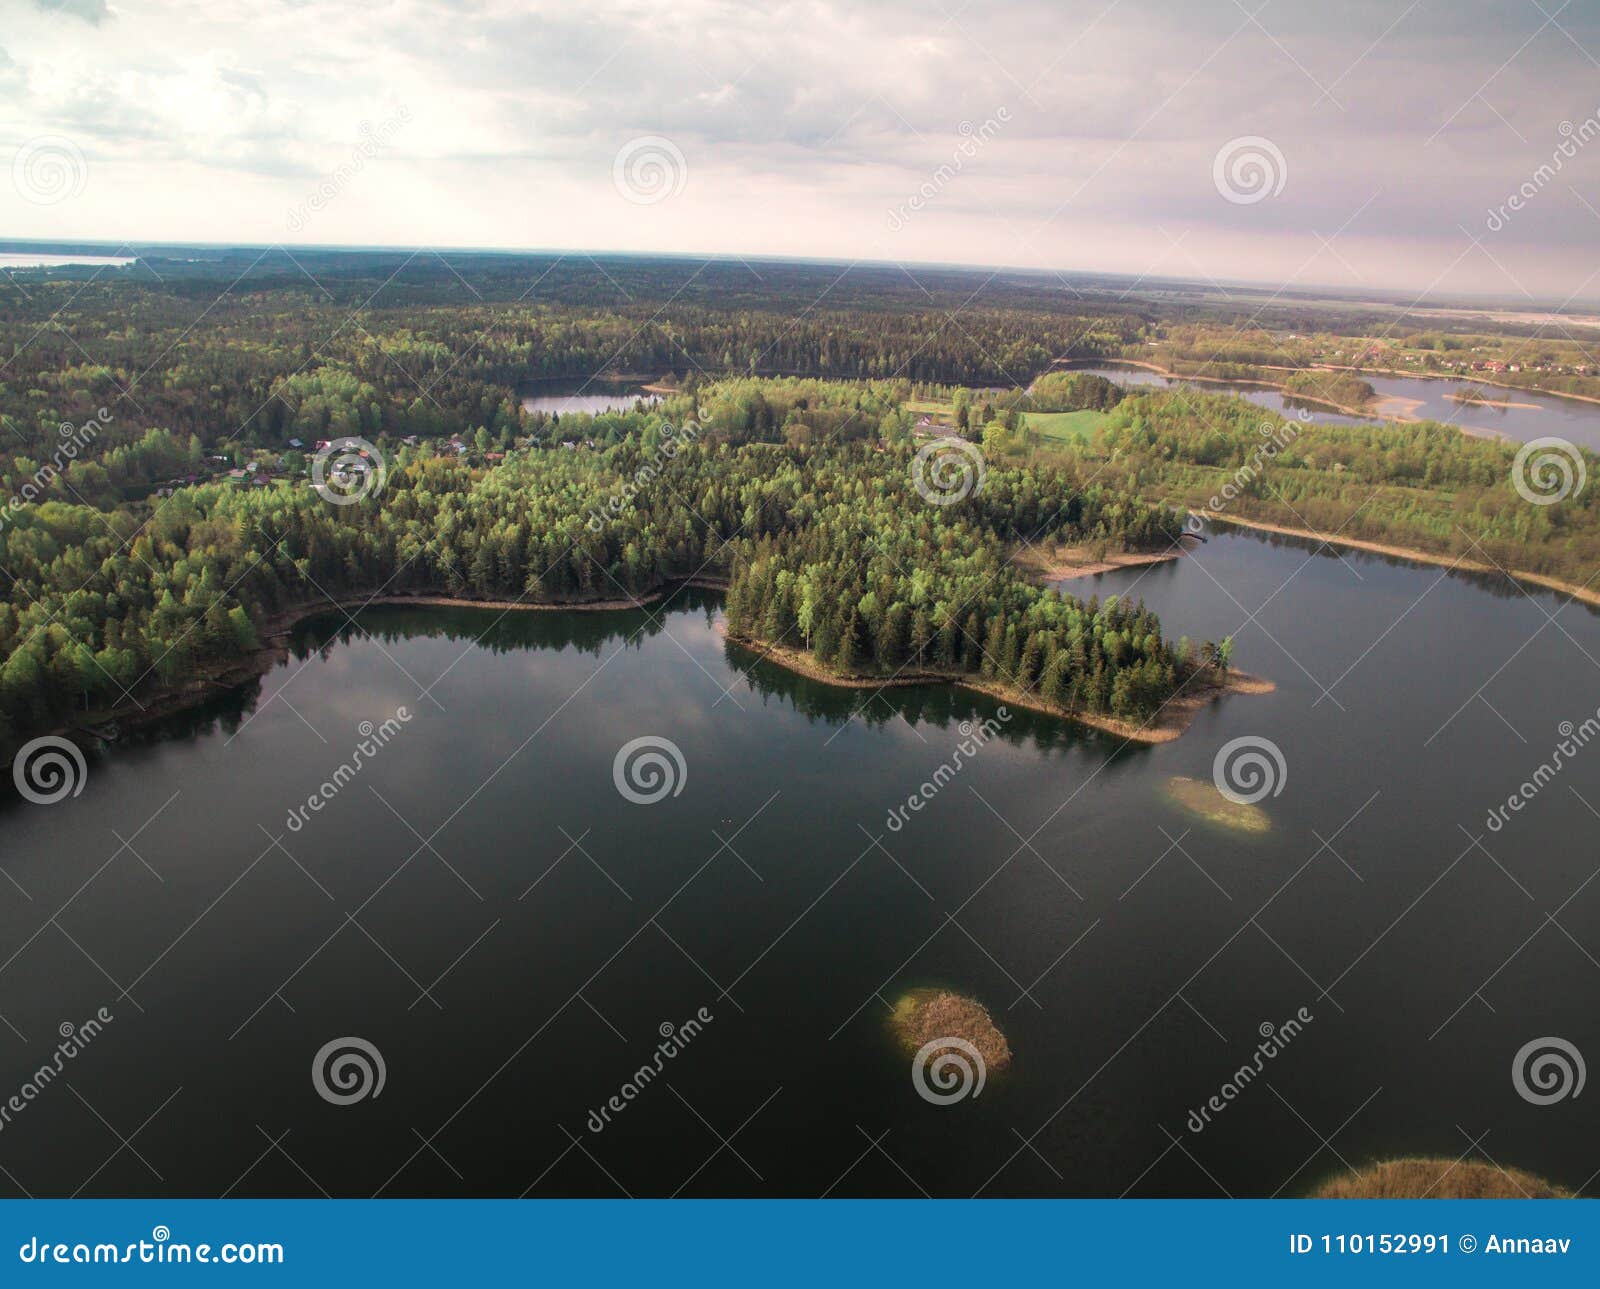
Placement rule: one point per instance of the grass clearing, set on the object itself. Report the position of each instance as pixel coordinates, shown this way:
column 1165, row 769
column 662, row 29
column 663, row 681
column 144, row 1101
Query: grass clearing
column 1065, row 427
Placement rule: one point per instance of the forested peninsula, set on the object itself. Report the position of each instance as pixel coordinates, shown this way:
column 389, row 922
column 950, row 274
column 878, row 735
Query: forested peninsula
column 162, row 520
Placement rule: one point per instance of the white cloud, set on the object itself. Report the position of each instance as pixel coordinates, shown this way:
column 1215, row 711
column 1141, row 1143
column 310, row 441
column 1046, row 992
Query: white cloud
column 803, row 123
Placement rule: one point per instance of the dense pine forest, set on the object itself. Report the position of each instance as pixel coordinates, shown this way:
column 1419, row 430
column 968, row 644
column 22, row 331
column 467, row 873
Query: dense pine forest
column 161, row 420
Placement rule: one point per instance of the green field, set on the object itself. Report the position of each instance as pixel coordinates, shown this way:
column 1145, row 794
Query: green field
column 1066, row 426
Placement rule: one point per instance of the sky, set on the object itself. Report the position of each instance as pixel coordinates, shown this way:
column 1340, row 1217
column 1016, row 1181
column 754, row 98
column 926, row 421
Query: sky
column 1445, row 147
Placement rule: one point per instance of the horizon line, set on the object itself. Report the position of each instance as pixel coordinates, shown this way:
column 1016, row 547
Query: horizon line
column 1395, row 298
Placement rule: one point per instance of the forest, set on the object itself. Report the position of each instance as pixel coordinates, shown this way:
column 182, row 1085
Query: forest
column 104, row 606
column 158, row 520
column 1418, row 485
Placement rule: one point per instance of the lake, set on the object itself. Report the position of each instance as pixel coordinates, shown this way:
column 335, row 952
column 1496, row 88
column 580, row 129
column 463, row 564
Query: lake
column 560, row 397
column 28, row 260
column 1534, row 416
column 480, row 903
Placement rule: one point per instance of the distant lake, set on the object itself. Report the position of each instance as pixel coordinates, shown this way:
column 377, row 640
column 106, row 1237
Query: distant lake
column 590, row 397
column 16, row 260
column 1545, row 414
column 480, row 903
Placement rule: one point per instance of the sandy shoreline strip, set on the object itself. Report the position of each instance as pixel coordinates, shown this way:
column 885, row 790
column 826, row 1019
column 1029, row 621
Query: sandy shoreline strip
column 1588, row 594
column 1174, row 718
column 1466, row 400
column 1078, row 561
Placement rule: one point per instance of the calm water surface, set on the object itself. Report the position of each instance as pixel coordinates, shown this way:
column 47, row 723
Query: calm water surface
column 29, row 260
column 480, row 904
column 1533, row 416
column 590, row 397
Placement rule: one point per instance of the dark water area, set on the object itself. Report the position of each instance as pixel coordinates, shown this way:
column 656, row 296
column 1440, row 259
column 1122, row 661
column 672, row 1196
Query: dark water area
column 1530, row 416
column 480, row 902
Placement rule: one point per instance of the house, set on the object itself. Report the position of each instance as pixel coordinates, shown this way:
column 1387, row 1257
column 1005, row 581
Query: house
column 296, row 443
column 236, row 474
column 323, row 443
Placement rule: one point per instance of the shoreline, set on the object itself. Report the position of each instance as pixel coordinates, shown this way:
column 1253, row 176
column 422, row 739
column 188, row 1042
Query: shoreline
column 1371, row 414
column 1466, row 400
column 207, row 683
column 1475, row 378
column 210, row 681
column 1176, row 714
column 1585, row 594
column 285, row 620
column 1058, row 567
column 1366, row 414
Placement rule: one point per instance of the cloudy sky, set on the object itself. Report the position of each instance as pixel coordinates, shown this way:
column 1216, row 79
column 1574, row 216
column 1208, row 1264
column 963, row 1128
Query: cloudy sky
column 1363, row 144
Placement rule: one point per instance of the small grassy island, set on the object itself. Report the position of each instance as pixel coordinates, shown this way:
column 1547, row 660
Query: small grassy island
column 1203, row 799
column 1438, row 1179
column 923, row 1016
